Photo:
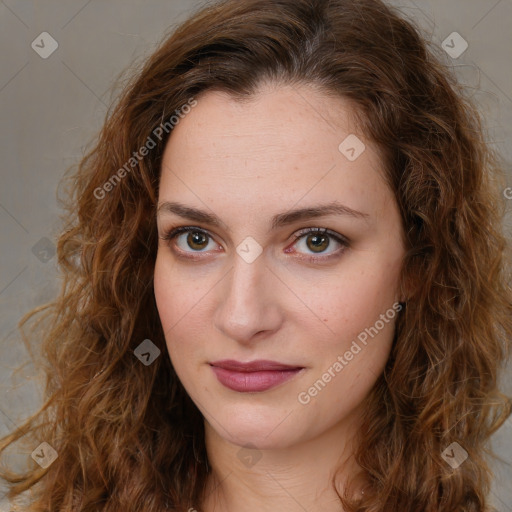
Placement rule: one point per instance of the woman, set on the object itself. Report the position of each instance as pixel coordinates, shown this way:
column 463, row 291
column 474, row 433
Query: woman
column 285, row 284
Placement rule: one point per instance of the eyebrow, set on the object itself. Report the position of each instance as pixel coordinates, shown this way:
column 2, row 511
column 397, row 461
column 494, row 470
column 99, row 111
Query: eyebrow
column 279, row 220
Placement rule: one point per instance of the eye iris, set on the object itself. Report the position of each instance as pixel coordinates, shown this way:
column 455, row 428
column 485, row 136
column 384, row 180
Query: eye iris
column 317, row 243
column 197, row 240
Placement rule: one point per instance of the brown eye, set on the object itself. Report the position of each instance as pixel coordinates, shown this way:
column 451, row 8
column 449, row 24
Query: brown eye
column 189, row 239
column 317, row 243
column 197, row 240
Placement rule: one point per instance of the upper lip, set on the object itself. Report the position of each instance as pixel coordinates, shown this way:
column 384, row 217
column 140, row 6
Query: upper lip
column 253, row 366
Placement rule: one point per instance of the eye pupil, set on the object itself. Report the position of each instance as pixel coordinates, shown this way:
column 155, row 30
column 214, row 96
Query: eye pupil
column 317, row 243
column 197, row 240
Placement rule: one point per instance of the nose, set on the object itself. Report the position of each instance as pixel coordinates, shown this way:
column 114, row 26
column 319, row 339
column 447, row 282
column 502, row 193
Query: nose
column 248, row 301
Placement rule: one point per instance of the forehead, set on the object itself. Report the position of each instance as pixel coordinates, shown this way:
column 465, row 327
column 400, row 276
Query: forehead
column 284, row 121
column 283, row 144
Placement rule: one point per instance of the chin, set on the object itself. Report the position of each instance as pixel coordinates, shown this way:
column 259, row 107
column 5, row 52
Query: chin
column 253, row 425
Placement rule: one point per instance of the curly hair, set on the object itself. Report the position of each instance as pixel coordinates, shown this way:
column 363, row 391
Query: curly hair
column 128, row 437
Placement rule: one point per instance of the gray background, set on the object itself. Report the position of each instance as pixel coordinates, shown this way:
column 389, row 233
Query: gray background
column 52, row 108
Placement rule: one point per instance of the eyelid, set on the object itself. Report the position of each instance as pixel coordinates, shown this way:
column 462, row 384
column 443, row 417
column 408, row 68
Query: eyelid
column 172, row 232
column 324, row 231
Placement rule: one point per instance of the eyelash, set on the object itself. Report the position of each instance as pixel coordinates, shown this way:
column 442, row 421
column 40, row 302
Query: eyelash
column 172, row 233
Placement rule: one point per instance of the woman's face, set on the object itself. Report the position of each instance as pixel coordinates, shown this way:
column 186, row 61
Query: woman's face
column 252, row 282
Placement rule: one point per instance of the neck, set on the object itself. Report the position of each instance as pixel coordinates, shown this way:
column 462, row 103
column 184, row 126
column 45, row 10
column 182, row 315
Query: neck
column 295, row 478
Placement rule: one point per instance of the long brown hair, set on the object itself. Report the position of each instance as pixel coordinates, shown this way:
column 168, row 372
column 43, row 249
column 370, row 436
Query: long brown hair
column 127, row 435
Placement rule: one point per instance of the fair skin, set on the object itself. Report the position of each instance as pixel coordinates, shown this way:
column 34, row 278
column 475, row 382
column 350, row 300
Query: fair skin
column 245, row 163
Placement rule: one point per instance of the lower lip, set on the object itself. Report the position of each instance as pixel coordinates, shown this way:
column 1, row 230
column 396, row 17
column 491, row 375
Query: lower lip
column 250, row 382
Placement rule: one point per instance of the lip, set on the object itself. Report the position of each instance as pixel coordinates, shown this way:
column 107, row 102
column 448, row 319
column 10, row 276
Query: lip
column 253, row 376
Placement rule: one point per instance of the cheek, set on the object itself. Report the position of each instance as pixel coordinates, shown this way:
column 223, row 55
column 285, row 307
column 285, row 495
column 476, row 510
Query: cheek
column 349, row 359
column 352, row 301
column 178, row 300
column 358, row 310
column 165, row 296
column 178, row 296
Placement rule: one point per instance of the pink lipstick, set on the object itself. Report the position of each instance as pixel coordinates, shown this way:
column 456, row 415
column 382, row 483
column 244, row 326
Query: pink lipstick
column 253, row 376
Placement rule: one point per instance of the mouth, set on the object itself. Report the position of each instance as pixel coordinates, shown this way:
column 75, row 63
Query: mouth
column 253, row 376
